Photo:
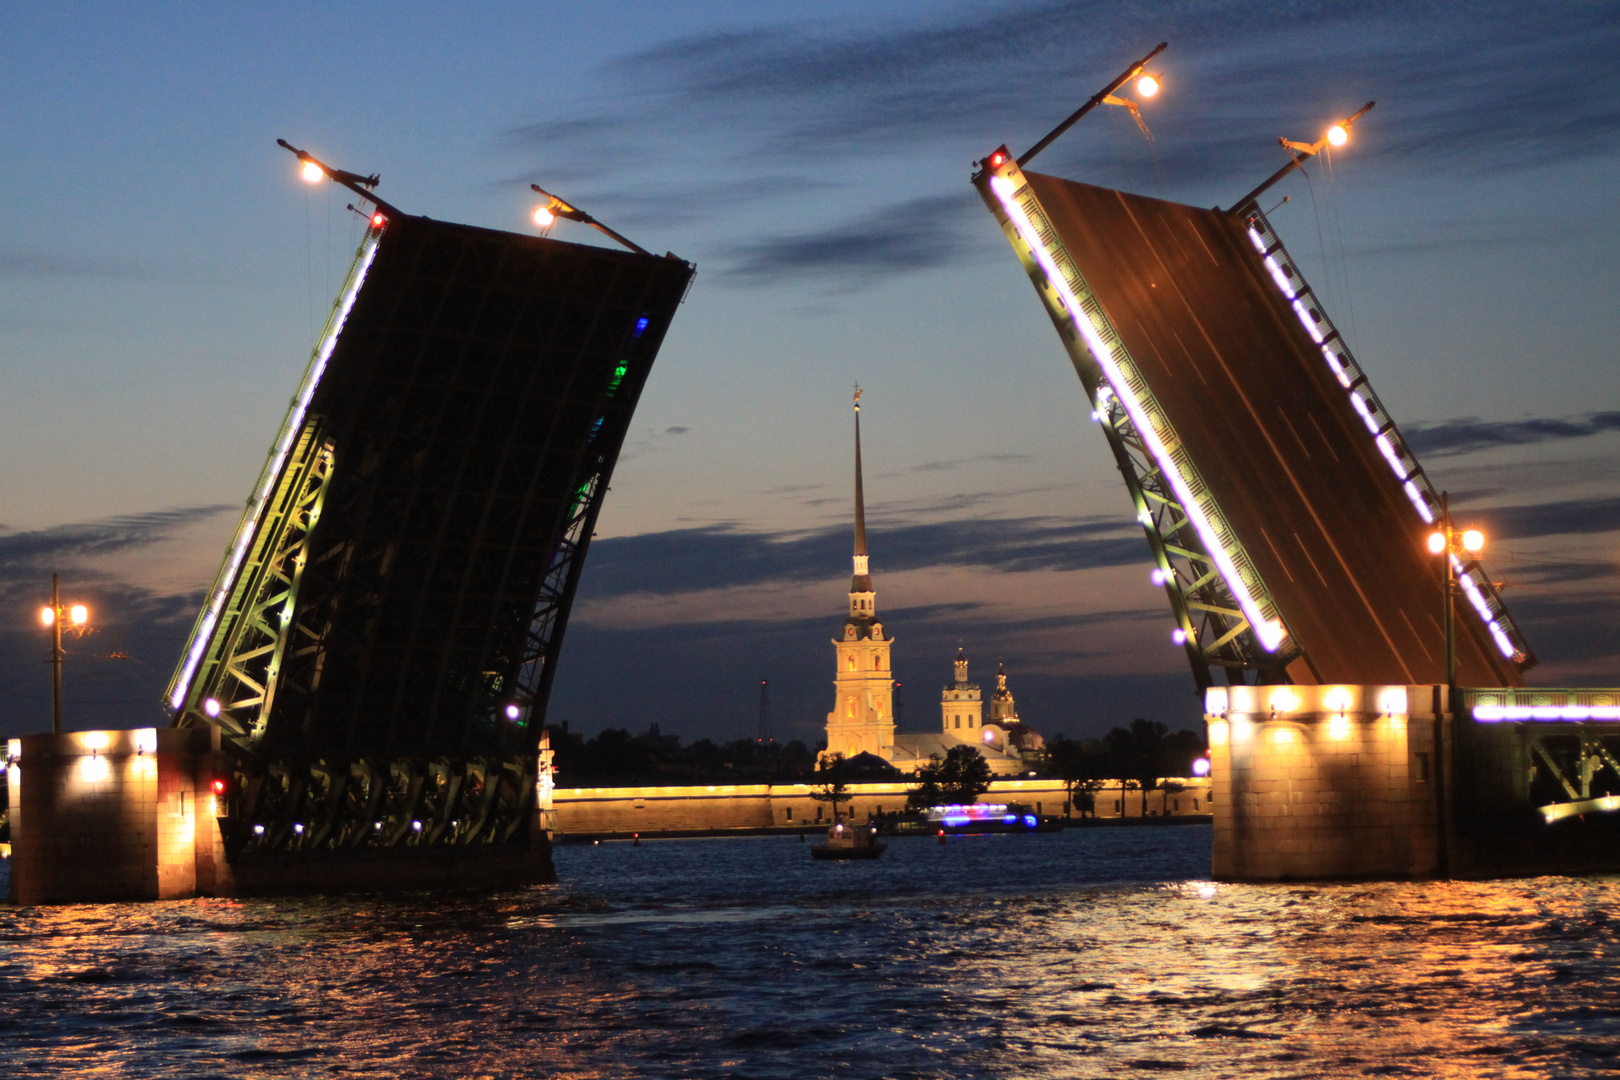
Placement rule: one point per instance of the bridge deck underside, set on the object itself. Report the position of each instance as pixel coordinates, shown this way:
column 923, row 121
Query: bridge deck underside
column 1273, row 435
column 472, row 410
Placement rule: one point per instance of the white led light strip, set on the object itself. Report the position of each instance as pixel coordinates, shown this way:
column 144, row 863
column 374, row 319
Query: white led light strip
column 272, row 468
column 1492, row 714
column 1268, row 632
column 1367, row 406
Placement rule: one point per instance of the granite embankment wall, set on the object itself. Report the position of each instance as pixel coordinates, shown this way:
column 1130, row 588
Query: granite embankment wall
column 653, row 810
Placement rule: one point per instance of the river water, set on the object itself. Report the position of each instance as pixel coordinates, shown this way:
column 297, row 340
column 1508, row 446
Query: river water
column 1091, row 953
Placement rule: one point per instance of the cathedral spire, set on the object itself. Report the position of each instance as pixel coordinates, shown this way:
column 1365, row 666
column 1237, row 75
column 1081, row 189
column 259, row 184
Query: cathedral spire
column 860, row 497
column 862, row 581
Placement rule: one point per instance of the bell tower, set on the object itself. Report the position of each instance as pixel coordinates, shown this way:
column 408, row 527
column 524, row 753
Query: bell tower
column 862, row 719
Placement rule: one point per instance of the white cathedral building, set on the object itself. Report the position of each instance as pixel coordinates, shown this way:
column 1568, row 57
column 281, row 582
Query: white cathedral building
column 862, row 718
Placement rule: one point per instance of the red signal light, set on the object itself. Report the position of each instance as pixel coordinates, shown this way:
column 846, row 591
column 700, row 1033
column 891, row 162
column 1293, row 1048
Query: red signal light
column 218, row 786
column 377, row 220
column 996, row 159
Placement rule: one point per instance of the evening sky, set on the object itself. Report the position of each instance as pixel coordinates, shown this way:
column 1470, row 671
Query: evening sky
column 163, row 276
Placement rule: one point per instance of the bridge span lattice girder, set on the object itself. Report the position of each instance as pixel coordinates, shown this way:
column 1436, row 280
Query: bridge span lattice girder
column 465, row 411
column 1244, row 395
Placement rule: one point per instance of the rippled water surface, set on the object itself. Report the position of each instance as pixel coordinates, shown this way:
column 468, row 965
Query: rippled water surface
column 1094, row 953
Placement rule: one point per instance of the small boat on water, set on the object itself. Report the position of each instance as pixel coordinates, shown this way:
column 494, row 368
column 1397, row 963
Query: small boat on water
column 850, row 842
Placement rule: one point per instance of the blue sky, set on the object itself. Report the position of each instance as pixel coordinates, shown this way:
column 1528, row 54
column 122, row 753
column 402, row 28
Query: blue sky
column 163, row 275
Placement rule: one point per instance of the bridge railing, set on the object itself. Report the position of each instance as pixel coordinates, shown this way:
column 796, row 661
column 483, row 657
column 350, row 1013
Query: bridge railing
column 1476, row 585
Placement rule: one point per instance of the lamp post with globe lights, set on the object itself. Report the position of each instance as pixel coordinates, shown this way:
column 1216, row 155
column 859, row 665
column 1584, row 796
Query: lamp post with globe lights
column 1449, row 542
column 53, row 615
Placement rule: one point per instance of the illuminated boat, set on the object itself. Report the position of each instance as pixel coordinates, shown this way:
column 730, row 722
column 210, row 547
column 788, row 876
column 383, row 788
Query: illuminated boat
column 985, row 818
column 850, row 842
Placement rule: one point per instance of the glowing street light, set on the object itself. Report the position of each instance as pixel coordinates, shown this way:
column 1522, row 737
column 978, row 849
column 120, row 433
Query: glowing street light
column 312, row 170
column 1146, row 86
column 1449, row 543
column 53, row 616
column 1300, row 153
column 546, row 215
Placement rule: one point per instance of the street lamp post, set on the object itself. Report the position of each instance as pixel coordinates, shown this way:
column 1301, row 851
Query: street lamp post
column 52, row 617
column 1448, row 543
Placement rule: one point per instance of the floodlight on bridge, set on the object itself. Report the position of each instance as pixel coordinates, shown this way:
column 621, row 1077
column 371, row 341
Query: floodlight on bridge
column 1153, row 301
column 1146, row 85
column 1300, row 153
column 546, row 216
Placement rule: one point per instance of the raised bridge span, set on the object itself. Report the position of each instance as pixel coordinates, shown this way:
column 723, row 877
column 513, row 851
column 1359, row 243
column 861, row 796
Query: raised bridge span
column 376, row 652
column 1286, row 519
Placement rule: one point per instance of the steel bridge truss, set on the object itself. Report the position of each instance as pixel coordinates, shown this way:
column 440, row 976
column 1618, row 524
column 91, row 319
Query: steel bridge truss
column 339, row 804
column 262, row 624
column 1573, row 769
column 1211, row 623
column 1213, row 630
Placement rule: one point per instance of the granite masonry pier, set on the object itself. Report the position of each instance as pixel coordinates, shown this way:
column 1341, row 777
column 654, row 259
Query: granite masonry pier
column 1326, row 781
column 102, row 816
column 113, row 815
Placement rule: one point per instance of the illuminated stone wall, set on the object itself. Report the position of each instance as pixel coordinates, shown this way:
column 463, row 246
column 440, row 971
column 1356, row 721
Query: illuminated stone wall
column 1325, row 781
column 650, row 810
column 110, row 815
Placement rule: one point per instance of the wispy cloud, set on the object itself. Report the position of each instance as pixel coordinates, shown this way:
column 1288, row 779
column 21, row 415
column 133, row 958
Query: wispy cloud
column 25, row 555
column 1465, row 435
column 914, row 235
column 15, row 262
column 684, row 560
column 1553, row 518
column 890, row 113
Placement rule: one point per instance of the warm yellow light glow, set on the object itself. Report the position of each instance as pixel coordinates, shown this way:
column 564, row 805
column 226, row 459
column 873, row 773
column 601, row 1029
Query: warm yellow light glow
column 79, row 614
column 1392, row 700
column 1337, row 699
column 1337, row 135
column 1282, row 735
column 1147, row 86
column 1218, row 733
column 1437, row 542
column 1473, row 540
column 47, row 615
column 313, row 173
column 93, row 770
column 94, row 740
column 1284, row 700
column 1338, row 727
column 543, row 217
column 146, row 741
